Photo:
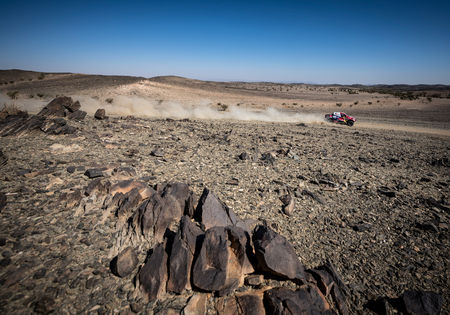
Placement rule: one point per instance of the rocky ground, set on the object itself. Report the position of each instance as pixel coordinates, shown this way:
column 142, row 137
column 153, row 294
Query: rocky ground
column 374, row 203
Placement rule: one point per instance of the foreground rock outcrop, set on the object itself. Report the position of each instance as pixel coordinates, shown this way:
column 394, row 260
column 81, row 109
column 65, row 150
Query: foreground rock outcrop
column 208, row 249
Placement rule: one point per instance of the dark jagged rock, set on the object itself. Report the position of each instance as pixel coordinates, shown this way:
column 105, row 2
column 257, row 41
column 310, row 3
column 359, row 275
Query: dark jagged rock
column 94, row 172
column 182, row 254
column 57, row 127
column 124, row 263
column 2, row 200
column 306, row 300
column 57, row 107
column 275, row 255
column 210, row 269
column 211, row 211
column 421, row 302
column 244, row 156
column 182, row 194
column 156, row 214
column 100, row 114
column 129, row 203
column 221, row 263
column 330, row 284
column 153, row 276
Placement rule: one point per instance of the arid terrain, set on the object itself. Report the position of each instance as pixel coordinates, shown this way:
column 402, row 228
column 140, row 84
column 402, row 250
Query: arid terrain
column 372, row 199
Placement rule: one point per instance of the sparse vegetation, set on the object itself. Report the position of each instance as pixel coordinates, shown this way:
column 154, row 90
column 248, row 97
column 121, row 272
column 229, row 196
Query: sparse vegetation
column 338, row 104
column 222, row 107
column 12, row 94
column 430, row 99
column 41, row 76
column 370, row 103
column 40, row 95
column 10, row 109
column 109, row 100
column 355, row 103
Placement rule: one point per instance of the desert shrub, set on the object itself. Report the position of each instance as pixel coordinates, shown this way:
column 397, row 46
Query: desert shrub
column 31, row 96
column 11, row 82
column 338, row 104
column 30, row 79
column 355, row 103
column 40, row 95
column 41, row 76
column 12, row 94
column 429, row 99
column 378, row 101
column 10, row 109
column 370, row 103
column 222, row 107
column 109, row 100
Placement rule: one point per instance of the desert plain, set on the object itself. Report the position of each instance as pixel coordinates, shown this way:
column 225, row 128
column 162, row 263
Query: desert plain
column 371, row 199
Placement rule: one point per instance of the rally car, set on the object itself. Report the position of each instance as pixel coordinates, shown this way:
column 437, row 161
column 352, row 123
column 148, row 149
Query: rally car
column 340, row 118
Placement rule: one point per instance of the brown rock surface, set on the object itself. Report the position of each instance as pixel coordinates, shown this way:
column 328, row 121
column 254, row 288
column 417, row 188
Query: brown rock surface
column 196, row 305
column 275, row 255
column 125, row 263
column 153, row 275
column 305, row 300
column 211, row 211
column 182, row 254
column 100, row 114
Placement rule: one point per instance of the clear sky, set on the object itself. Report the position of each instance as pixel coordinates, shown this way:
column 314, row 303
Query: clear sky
column 345, row 42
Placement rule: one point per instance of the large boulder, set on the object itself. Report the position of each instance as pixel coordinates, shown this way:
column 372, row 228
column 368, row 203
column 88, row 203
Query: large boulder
column 156, row 215
column 63, row 106
column 211, row 211
column 306, row 300
column 275, row 255
column 125, row 263
column 196, row 305
column 153, row 276
column 182, row 254
column 182, row 194
column 222, row 260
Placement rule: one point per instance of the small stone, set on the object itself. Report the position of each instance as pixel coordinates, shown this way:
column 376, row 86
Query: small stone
column 100, row 114
column 254, row 280
column 157, row 152
column 71, row 169
column 244, row 156
column 40, row 273
column 94, row 172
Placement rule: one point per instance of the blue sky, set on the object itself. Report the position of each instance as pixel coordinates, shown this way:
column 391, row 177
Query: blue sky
column 345, row 42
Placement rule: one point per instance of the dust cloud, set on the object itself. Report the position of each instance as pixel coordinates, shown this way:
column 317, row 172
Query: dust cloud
column 139, row 106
